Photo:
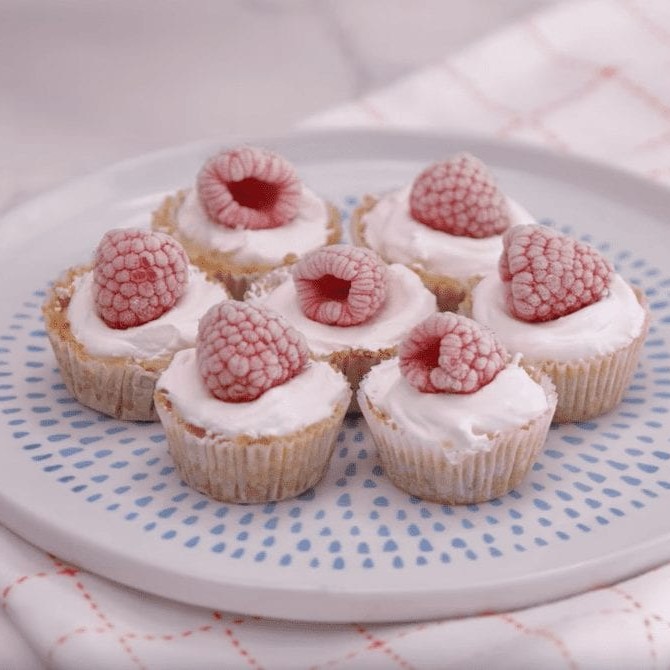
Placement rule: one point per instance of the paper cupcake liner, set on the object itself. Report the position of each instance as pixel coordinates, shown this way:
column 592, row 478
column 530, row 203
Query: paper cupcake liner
column 119, row 387
column 449, row 291
column 468, row 477
column 589, row 387
column 237, row 277
column 353, row 363
column 249, row 470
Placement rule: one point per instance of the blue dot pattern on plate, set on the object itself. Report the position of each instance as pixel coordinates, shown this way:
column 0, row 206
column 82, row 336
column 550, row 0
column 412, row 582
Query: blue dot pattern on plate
column 589, row 476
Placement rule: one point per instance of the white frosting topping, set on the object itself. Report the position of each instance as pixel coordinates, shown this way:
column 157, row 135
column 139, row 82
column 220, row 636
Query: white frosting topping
column 407, row 303
column 307, row 231
column 594, row 330
column 392, row 232
column 174, row 330
column 305, row 399
column 455, row 423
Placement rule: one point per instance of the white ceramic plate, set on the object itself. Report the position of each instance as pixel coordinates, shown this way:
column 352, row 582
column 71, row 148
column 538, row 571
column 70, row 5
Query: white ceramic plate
column 103, row 493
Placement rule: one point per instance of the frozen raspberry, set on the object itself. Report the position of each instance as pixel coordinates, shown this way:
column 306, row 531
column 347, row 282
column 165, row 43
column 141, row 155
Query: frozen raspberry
column 459, row 197
column 340, row 285
column 449, row 353
column 138, row 275
column 243, row 350
column 249, row 188
column 547, row 275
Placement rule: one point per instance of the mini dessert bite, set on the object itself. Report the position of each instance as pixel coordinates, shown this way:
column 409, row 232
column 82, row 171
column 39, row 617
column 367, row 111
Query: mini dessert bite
column 560, row 303
column 454, row 420
column 247, row 214
column 114, row 325
column 352, row 308
column 446, row 226
column 248, row 417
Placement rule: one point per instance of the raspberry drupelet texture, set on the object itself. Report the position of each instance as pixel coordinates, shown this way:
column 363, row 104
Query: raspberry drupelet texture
column 449, row 353
column 249, row 188
column 138, row 275
column 547, row 275
column 460, row 197
column 243, row 350
column 340, row 285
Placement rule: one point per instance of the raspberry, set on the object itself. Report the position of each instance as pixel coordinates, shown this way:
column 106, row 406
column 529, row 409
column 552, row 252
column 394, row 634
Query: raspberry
column 449, row 353
column 243, row 350
column 138, row 275
column 249, row 188
column 340, row 284
column 460, row 197
column 547, row 275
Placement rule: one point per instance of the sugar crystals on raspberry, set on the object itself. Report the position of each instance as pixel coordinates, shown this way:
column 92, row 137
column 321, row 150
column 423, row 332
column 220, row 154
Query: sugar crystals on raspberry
column 340, row 284
column 138, row 275
column 249, row 188
column 243, row 350
column 449, row 353
column 460, row 197
column 548, row 275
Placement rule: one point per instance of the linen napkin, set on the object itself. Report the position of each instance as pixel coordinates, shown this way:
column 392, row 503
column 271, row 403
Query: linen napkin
column 582, row 77
column 585, row 77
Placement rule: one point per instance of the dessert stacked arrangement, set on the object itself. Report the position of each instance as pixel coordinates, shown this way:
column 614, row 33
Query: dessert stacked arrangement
column 458, row 326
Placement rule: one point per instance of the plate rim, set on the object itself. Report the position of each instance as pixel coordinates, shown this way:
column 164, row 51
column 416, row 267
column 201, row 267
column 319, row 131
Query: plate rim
column 469, row 139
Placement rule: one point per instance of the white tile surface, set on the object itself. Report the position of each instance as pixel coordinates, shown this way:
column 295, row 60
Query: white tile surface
column 86, row 82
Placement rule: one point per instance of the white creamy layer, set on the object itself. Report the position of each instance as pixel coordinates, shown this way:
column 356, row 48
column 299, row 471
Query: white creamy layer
column 392, row 232
column 306, row 399
column 598, row 329
column 407, row 303
column 452, row 422
column 170, row 332
column 307, row 231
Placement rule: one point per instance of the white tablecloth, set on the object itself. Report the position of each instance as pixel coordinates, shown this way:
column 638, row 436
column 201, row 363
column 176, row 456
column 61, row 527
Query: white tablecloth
column 589, row 78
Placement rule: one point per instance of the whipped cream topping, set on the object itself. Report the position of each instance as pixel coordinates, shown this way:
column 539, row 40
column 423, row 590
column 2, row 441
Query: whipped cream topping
column 307, row 231
column 597, row 329
column 407, row 302
column 170, row 332
column 454, row 423
column 398, row 238
column 305, row 399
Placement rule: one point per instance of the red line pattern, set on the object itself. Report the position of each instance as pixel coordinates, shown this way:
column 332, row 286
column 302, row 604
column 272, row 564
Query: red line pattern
column 515, row 119
column 372, row 111
column 17, row 582
column 652, row 27
column 539, row 631
column 659, row 172
column 376, row 643
column 478, row 94
column 603, row 72
column 639, row 91
column 656, row 142
column 646, row 620
column 107, row 627
column 234, row 640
